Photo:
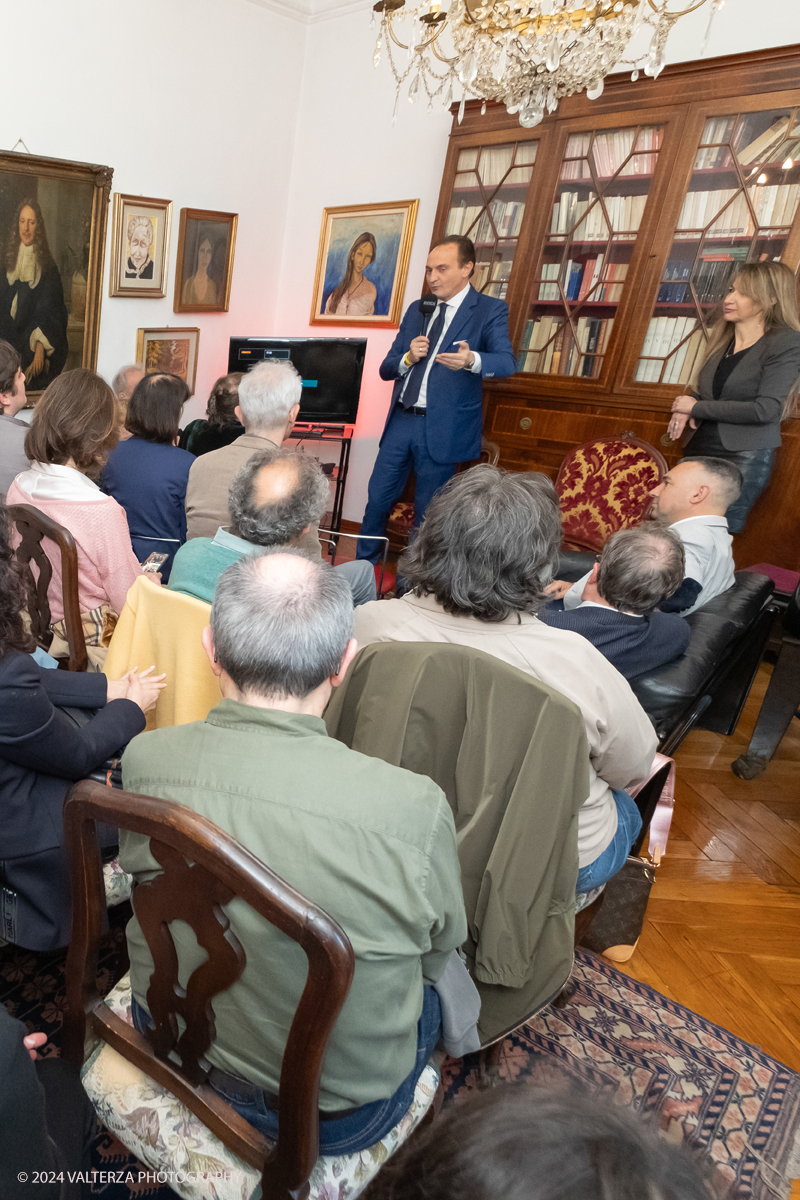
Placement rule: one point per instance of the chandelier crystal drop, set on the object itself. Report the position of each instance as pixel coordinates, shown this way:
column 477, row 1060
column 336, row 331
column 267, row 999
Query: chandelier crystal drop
column 525, row 54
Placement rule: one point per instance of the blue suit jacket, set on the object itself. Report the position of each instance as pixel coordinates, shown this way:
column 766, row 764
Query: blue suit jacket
column 455, row 398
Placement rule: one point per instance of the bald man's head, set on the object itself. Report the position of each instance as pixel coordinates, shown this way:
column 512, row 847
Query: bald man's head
column 281, row 623
column 697, row 487
column 276, row 496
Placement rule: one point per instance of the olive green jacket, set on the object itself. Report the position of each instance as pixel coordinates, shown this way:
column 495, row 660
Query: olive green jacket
column 510, row 754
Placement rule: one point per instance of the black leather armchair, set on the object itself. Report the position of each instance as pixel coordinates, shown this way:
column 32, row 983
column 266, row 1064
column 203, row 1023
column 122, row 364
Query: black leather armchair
column 710, row 683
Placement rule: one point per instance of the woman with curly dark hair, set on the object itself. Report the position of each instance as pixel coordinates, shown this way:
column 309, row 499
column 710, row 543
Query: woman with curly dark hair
column 33, row 316
column 223, row 424
column 43, row 751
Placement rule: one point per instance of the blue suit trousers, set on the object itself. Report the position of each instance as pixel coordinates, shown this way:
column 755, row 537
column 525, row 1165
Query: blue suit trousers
column 403, row 448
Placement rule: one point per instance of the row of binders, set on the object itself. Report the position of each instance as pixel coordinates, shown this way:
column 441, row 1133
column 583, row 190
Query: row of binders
column 676, row 336
column 549, row 347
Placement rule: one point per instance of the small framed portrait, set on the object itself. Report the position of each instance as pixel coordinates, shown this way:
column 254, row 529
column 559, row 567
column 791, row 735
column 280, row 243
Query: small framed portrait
column 140, row 246
column 173, row 351
column 206, row 244
column 362, row 264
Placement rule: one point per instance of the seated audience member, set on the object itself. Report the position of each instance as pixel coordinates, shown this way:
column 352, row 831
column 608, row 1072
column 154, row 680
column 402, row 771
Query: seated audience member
column 42, row 753
column 124, row 383
column 477, row 571
column 12, row 431
column 518, row 1142
column 691, row 500
column 269, row 401
column 74, row 426
column 221, row 426
column 372, row 844
column 638, row 569
column 147, row 475
column 274, row 500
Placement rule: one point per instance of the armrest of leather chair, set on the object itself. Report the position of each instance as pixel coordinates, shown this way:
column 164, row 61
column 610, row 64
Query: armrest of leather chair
column 573, row 564
column 718, row 629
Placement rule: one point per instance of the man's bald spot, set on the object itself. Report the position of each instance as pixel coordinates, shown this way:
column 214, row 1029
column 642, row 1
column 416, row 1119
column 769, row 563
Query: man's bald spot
column 275, row 482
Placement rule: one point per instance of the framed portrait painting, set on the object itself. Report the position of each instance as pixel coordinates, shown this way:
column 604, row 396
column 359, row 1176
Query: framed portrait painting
column 206, row 245
column 173, row 351
column 52, row 233
column 139, row 247
column 362, row 264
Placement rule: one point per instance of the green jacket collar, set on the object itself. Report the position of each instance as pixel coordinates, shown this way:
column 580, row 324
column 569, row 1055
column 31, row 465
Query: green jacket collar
column 232, row 714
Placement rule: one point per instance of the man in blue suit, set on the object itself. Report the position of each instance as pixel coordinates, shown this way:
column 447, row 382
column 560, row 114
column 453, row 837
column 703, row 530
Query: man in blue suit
column 436, row 415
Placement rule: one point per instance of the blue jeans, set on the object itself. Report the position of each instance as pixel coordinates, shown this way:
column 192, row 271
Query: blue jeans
column 404, row 447
column 361, row 1127
column 629, row 822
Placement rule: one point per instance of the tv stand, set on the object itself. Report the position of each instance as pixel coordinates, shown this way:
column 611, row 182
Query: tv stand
column 309, row 431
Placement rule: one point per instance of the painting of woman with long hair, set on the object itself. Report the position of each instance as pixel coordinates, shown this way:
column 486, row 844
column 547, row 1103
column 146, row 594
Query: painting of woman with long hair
column 33, row 316
column 355, row 295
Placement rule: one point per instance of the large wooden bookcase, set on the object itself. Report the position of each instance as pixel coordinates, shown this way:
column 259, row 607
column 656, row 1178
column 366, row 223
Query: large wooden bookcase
column 612, row 229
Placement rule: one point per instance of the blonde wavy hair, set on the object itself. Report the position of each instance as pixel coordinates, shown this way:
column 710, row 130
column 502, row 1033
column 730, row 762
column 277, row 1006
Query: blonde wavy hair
column 773, row 287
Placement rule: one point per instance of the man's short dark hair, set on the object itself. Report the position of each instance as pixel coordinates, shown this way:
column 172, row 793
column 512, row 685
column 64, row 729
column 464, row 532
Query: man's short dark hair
column 488, row 545
column 281, row 522
column 639, row 568
column 155, row 406
column 466, row 248
column 726, row 475
column 9, row 365
column 280, row 634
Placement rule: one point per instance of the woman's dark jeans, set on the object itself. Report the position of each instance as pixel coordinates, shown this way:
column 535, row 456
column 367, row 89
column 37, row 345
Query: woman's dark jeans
column 756, row 468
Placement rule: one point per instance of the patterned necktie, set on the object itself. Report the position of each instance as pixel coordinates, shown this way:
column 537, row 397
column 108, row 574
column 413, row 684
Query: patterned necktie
column 417, row 372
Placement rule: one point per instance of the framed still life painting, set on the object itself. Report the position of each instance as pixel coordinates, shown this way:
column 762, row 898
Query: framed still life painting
column 206, row 245
column 52, row 229
column 362, row 264
column 140, row 246
column 173, row 351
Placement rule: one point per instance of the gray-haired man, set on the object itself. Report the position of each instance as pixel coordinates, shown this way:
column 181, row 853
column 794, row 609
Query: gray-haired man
column 372, row 844
column 276, row 499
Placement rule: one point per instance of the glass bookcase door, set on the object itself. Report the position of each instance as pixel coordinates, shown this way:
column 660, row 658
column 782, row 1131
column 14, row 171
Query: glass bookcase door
column 739, row 207
column 600, row 200
column 488, row 204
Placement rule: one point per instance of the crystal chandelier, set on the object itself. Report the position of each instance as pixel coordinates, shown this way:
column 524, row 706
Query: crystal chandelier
column 526, row 54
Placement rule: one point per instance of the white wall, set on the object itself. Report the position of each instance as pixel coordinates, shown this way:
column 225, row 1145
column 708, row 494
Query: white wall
column 348, row 153
column 194, row 101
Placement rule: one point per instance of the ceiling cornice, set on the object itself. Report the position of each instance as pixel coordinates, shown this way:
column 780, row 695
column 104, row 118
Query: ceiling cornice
column 310, row 12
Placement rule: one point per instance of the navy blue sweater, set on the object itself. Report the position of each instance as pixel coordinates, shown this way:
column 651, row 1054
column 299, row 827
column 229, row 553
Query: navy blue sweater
column 633, row 645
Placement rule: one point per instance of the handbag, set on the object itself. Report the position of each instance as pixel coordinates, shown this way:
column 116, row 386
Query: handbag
column 618, row 925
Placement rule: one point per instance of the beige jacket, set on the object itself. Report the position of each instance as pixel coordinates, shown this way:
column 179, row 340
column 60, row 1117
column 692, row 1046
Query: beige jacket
column 621, row 739
column 207, row 489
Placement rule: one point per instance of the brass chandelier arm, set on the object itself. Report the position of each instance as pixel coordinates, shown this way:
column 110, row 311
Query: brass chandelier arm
column 695, row 5
column 429, row 44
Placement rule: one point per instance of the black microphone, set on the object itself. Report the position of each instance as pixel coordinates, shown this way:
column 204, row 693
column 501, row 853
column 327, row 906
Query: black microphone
column 427, row 306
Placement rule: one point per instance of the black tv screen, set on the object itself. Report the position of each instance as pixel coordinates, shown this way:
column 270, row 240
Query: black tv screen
column 330, row 368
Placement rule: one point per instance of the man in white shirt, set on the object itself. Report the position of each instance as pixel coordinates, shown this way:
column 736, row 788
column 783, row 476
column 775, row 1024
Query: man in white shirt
column 691, row 500
column 12, row 431
column 438, row 363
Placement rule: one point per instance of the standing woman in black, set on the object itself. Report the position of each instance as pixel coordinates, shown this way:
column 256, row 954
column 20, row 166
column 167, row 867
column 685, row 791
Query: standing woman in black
column 747, row 383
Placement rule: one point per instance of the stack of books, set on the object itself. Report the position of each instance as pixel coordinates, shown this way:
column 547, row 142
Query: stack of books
column 507, row 217
column 587, row 219
column 549, row 348
column 584, row 279
column 676, row 336
column 775, row 206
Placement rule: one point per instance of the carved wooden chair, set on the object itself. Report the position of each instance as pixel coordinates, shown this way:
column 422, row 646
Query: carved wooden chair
column 401, row 518
column 151, row 1091
column 33, row 526
column 604, row 485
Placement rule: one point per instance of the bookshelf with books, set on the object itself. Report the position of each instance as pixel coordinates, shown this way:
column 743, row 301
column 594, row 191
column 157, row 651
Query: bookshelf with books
column 616, row 246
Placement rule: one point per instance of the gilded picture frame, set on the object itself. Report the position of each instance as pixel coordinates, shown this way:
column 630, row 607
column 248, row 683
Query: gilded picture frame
column 140, row 235
column 51, row 294
column 206, row 248
column 171, row 350
column 362, row 264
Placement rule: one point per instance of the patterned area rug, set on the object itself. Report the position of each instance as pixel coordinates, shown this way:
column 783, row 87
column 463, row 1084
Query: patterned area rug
column 616, row 1037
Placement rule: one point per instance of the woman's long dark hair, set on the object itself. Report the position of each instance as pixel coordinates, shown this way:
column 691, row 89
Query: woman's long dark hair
column 13, row 635
column 338, row 292
column 43, row 255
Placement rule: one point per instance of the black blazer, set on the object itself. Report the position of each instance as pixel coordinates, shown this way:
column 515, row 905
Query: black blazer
column 748, row 413
column 42, row 752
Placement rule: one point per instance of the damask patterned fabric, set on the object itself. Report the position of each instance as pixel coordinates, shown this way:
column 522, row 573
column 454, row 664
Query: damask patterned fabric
column 164, row 1135
column 604, row 486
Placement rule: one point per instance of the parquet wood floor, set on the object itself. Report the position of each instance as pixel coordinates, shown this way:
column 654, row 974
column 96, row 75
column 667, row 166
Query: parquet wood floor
column 722, row 933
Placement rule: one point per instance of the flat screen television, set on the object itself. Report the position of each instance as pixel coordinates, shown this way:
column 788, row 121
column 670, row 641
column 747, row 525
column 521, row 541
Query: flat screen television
column 330, row 368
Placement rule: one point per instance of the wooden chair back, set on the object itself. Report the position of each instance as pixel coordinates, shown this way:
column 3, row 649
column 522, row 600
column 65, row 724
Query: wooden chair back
column 33, row 526
column 203, row 869
column 604, row 485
